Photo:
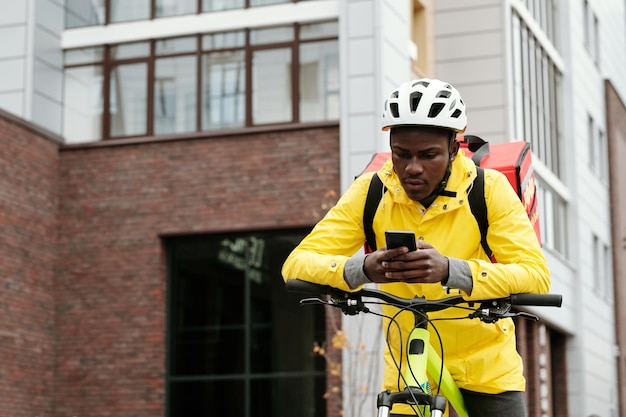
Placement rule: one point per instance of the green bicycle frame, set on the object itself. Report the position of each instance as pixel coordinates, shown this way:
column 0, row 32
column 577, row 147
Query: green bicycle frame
column 423, row 360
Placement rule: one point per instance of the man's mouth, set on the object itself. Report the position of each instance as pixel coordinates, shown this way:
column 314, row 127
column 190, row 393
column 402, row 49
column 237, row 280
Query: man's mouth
column 414, row 186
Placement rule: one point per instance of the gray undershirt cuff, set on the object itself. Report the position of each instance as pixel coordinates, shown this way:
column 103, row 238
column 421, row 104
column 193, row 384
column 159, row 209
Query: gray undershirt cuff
column 459, row 275
column 353, row 272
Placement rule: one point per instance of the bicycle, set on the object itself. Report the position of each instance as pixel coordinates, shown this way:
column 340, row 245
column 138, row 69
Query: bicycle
column 422, row 359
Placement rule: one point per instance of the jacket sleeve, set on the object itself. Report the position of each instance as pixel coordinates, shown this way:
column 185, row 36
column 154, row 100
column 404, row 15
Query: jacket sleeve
column 521, row 266
column 322, row 254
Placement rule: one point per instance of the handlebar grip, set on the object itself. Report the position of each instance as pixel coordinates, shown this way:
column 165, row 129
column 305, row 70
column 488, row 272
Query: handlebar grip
column 546, row 300
column 298, row 285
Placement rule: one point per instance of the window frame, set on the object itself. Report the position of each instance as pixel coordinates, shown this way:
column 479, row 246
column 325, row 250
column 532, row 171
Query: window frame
column 537, row 94
column 107, row 63
column 104, row 10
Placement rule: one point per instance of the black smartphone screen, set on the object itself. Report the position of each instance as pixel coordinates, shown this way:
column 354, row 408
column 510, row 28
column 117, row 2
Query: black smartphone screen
column 398, row 238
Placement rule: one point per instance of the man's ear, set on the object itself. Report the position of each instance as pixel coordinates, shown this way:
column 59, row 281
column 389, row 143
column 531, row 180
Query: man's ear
column 454, row 149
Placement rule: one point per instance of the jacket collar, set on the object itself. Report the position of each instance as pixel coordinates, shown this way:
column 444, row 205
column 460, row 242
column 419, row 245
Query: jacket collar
column 461, row 177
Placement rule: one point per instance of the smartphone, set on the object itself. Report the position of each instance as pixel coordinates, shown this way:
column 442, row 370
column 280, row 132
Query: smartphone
column 398, row 238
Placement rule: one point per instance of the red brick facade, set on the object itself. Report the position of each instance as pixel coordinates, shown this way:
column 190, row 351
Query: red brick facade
column 28, row 201
column 85, row 335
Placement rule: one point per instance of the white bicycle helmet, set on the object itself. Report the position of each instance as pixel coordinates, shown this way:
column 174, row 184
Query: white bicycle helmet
column 425, row 102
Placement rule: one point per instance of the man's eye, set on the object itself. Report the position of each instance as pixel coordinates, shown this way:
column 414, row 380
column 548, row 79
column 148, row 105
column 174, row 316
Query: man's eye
column 402, row 155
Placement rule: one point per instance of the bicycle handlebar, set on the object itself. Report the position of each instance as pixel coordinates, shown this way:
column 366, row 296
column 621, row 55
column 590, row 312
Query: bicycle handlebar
column 539, row 300
column 488, row 310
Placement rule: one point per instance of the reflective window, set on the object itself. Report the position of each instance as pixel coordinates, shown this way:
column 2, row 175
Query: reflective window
column 538, row 96
column 271, row 35
column 175, row 7
column 267, row 2
column 82, row 97
column 223, row 90
column 552, row 219
column 175, row 45
column 319, row 30
column 271, row 81
column 175, row 95
column 84, row 56
column 124, row 10
column 319, row 81
column 80, row 13
column 130, row 50
column 127, row 99
column 207, row 82
column 224, row 40
column 235, row 336
column 537, row 81
column 218, row 5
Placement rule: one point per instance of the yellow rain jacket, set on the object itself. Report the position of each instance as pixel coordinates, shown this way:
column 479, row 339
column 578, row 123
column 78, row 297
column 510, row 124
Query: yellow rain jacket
column 481, row 357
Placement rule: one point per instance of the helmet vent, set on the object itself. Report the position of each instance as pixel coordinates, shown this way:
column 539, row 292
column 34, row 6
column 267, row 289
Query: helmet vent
column 456, row 114
column 393, row 108
column 444, row 94
column 421, row 82
column 435, row 109
column 414, row 99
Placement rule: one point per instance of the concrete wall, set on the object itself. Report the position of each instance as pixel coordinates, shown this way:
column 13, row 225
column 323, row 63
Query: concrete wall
column 31, row 61
column 374, row 46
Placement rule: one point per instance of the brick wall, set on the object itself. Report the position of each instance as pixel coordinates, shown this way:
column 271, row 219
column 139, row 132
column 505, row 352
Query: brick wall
column 114, row 204
column 28, row 201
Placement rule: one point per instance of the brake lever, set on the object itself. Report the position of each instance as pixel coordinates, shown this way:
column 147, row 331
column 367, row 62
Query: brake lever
column 495, row 312
column 349, row 306
column 309, row 301
column 523, row 315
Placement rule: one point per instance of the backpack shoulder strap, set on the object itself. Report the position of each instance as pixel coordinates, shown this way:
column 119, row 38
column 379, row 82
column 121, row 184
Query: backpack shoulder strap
column 374, row 194
column 478, row 205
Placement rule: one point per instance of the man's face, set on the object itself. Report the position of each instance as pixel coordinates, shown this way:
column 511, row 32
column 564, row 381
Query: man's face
column 420, row 157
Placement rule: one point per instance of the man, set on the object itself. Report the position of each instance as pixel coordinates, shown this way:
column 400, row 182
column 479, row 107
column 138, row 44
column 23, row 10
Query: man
column 428, row 180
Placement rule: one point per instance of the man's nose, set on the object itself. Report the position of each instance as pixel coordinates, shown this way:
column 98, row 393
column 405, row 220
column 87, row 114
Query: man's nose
column 414, row 166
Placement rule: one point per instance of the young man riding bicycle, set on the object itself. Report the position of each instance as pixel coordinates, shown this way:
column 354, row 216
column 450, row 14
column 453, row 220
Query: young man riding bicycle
column 427, row 181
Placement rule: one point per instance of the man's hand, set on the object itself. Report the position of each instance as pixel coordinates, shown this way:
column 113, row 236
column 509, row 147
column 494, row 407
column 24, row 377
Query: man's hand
column 425, row 265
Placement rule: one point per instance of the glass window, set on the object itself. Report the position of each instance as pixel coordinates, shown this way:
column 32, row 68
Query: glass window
column 267, row 2
column 552, row 218
column 175, row 95
column 79, row 13
column 271, row 84
column 271, row 35
column 124, row 10
column 234, row 79
column 591, row 131
column 319, row 30
column 130, row 50
column 223, row 90
column 217, row 5
column 176, row 45
column 128, row 99
column 224, row 40
column 175, row 7
column 319, row 81
column 84, row 56
column 236, row 338
column 82, row 98
column 537, row 96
